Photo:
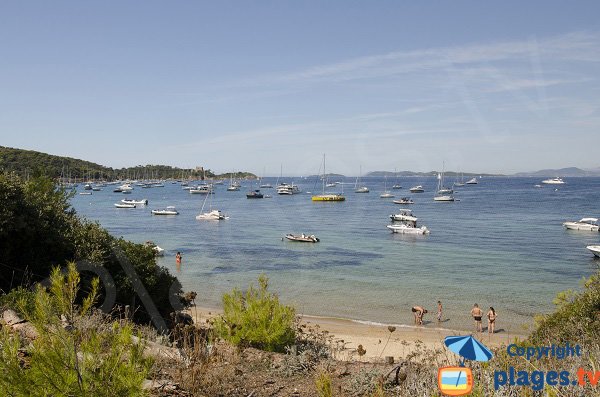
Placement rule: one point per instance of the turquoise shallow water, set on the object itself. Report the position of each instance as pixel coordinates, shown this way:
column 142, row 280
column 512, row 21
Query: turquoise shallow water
column 502, row 245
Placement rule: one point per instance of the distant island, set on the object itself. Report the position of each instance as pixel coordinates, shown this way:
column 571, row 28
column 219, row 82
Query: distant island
column 30, row 163
column 430, row 173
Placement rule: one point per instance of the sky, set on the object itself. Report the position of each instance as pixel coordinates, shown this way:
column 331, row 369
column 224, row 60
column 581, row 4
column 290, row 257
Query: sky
column 261, row 86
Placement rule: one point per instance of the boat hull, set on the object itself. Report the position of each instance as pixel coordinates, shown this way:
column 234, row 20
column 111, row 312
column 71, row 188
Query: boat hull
column 404, row 229
column 302, row 239
column 595, row 249
column 581, row 226
column 328, row 197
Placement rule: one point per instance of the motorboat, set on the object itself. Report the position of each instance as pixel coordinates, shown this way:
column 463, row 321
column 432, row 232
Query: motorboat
column 96, row 188
column 595, row 249
column 266, row 186
column 288, row 189
column 126, row 186
column 553, row 181
column 302, row 238
column 87, row 186
column 472, row 181
column 256, row 194
column 397, row 186
column 408, row 229
column 362, row 189
column 589, row 224
column 404, row 200
column 85, row 193
column 537, row 185
column 126, row 191
column 140, row 202
column 167, row 211
column 202, row 189
column 417, row 189
column 124, row 205
column 443, row 197
column 331, row 184
column 233, row 188
column 405, row 215
column 214, row 215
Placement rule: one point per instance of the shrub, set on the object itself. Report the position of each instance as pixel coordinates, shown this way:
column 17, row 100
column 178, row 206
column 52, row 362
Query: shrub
column 323, row 384
column 71, row 354
column 256, row 319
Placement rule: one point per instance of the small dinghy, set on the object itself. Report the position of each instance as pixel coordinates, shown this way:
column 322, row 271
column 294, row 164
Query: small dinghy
column 302, row 238
column 404, row 200
column 166, row 211
column 140, row 202
column 124, row 205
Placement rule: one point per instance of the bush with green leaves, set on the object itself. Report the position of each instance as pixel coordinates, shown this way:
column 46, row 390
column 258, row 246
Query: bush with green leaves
column 39, row 229
column 256, row 318
column 75, row 353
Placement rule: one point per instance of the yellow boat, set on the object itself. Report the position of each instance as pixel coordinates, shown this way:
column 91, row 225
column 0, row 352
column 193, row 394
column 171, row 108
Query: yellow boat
column 331, row 196
column 328, row 197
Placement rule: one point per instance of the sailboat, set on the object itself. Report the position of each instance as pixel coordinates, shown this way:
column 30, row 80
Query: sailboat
column 443, row 193
column 265, row 185
column 386, row 193
column 396, row 184
column 327, row 197
column 234, row 186
column 357, row 187
column 211, row 215
column 462, row 180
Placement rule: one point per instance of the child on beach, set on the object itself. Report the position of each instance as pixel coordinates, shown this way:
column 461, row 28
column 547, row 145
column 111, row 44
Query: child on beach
column 491, row 320
column 439, row 313
column 477, row 313
column 418, row 311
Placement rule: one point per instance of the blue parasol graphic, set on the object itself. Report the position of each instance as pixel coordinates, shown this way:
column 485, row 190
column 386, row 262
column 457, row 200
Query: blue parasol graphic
column 468, row 348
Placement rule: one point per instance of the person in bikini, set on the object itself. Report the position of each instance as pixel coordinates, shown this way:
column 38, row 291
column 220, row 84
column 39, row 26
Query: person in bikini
column 418, row 311
column 439, row 313
column 477, row 314
column 491, row 315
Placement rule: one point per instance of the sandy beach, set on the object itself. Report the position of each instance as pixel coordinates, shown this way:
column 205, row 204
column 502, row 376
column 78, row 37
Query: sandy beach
column 376, row 339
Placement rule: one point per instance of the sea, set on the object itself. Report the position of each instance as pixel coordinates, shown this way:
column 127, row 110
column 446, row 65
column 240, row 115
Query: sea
column 500, row 244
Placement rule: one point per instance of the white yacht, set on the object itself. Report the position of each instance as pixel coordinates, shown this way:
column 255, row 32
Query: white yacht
column 417, row 189
column 595, row 249
column 167, row 211
column 404, row 215
column 589, row 224
column 472, row 181
column 408, row 229
column 553, row 181
column 404, row 200
column 288, row 189
column 202, row 189
column 408, row 223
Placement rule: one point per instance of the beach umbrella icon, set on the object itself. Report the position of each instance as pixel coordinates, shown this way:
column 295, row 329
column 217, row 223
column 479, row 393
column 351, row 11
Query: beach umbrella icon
column 468, row 348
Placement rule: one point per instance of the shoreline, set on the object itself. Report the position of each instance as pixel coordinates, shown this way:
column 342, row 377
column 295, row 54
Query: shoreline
column 376, row 338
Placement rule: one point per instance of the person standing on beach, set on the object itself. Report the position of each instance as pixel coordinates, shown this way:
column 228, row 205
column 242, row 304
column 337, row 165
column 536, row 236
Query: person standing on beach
column 418, row 311
column 439, row 313
column 491, row 320
column 477, row 313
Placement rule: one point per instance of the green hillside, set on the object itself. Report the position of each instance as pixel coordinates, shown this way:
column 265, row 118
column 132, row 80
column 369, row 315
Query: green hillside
column 31, row 163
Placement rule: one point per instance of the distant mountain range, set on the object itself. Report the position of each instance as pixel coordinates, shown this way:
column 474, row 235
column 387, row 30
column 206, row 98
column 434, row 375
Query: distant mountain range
column 562, row 172
column 430, row 173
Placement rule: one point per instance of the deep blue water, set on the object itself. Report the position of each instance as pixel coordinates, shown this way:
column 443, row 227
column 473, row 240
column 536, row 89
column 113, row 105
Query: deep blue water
column 501, row 245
